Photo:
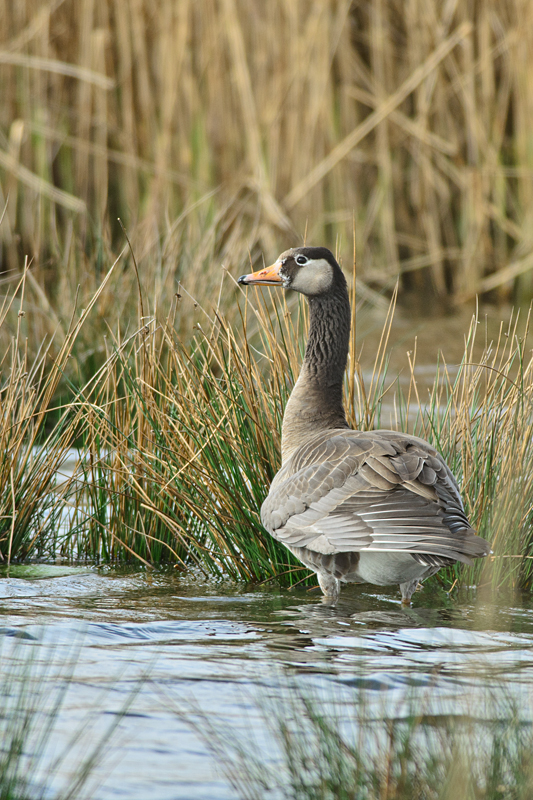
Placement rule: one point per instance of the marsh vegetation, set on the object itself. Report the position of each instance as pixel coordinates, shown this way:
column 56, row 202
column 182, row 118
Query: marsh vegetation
column 146, row 356
column 222, row 130
column 142, row 391
column 177, row 441
column 331, row 755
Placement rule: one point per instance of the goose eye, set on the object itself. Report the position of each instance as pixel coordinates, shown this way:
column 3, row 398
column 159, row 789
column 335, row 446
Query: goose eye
column 301, row 260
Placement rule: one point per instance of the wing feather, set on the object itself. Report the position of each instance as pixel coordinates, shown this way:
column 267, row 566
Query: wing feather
column 349, row 491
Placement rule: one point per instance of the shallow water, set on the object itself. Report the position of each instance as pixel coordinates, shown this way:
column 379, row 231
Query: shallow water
column 146, row 643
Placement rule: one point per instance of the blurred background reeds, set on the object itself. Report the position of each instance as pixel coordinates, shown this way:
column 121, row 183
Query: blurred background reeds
column 222, row 130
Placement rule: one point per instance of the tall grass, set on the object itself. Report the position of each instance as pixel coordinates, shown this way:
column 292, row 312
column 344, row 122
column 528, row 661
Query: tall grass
column 35, row 754
column 181, row 441
column 482, row 422
column 316, row 748
column 219, row 128
column 178, row 439
column 35, row 432
column 180, row 444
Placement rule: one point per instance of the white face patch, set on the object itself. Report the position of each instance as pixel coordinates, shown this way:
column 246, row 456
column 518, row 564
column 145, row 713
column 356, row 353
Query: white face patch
column 314, row 278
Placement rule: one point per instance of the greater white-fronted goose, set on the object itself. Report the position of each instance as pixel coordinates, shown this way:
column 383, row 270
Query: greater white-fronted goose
column 377, row 507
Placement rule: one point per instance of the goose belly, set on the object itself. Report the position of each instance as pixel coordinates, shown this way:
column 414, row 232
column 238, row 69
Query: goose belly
column 381, row 569
column 386, row 568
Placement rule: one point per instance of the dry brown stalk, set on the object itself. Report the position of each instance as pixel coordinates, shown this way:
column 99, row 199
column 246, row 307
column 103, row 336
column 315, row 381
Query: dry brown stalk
column 223, row 127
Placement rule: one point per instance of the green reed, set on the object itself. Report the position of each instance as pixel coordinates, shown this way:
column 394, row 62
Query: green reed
column 35, row 761
column 177, row 438
column 317, row 747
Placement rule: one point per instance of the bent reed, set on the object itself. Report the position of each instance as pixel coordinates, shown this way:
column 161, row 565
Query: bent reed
column 218, row 127
column 176, row 441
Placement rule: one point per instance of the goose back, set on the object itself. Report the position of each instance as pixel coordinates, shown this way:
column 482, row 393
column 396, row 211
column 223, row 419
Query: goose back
column 346, row 490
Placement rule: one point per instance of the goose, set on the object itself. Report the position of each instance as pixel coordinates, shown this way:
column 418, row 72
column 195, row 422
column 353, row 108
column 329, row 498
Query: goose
column 380, row 506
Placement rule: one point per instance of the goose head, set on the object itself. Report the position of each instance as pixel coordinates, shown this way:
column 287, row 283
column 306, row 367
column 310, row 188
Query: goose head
column 312, row 271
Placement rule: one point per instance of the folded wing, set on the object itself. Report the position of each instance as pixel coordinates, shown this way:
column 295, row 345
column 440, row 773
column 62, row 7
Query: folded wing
column 347, row 491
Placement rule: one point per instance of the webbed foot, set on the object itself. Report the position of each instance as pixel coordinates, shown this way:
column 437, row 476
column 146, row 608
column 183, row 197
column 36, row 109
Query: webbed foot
column 330, row 587
column 408, row 589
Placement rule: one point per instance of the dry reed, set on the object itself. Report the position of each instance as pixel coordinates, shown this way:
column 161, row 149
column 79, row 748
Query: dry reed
column 36, row 433
column 178, row 439
column 222, row 127
column 181, row 441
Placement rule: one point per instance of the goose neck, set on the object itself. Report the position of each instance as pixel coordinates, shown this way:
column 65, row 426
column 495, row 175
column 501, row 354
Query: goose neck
column 316, row 402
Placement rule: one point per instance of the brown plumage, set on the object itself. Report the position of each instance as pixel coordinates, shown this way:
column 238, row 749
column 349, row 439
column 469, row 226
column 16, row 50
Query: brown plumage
column 377, row 506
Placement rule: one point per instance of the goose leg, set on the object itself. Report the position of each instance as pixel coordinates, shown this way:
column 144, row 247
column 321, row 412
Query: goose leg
column 330, row 587
column 408, row 589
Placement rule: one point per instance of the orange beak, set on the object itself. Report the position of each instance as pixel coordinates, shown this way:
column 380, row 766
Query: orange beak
column 264, row 277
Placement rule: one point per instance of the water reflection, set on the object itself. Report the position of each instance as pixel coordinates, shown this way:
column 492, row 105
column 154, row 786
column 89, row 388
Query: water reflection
column 183, row 638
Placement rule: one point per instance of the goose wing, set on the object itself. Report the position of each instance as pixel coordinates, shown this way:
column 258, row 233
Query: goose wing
column 379, row 490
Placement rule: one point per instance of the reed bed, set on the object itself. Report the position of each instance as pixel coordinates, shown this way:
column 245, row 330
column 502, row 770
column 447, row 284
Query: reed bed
column 482, row 422
column 180, row 441
column 177, row 438
column 220, row 128
column 36, row 431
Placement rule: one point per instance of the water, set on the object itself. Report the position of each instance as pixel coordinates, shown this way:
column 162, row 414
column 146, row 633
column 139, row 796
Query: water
column 148, row 643
column 135, row 648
